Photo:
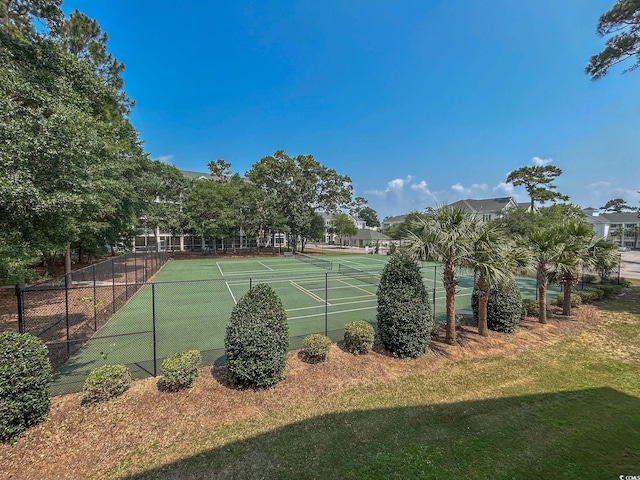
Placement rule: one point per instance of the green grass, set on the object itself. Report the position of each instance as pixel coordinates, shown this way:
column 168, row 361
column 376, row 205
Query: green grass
column 566, row 411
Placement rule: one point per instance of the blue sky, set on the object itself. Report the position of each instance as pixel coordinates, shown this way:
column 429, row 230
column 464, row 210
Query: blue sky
column 420, row 103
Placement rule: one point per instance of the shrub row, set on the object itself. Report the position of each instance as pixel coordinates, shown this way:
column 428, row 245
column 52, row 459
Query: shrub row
column 592, row 293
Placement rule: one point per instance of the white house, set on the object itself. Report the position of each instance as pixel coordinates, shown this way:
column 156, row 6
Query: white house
column 487, row 209
column 624, row 227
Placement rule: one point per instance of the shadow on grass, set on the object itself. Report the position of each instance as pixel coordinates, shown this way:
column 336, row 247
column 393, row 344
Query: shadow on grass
column 570, row 434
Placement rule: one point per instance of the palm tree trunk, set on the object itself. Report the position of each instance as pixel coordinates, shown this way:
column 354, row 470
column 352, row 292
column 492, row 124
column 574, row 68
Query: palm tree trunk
column 450, row 282
column 542, row 279
column 567, row 281
column 483, row 300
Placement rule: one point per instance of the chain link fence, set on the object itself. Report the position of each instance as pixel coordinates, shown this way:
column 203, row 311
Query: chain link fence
column 84, row 325
column 67, row 311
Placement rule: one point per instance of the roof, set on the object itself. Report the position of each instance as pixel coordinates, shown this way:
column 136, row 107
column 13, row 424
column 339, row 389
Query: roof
column 488, row 205
column 396, row 219
column 622, row 217
column 368, row 234
column 191, row 175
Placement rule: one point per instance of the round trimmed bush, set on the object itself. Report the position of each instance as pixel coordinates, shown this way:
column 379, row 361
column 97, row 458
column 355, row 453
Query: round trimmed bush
column 588, row 295
column 315, row 347
column 404, row 312
column 358, row 337
column 530, row 307
column 179, row 371
column 105, row 383
column 257, row 339
column 504, row 307
column 25, row 377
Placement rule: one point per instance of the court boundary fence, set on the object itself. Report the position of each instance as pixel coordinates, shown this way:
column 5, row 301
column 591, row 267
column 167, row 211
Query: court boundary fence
column 65, row 312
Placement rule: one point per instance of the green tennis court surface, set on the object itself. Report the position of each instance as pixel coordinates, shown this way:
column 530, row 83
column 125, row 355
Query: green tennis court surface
column 190, row 301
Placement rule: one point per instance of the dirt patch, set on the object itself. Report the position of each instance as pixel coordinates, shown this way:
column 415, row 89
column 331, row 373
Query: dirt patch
column 79, row 442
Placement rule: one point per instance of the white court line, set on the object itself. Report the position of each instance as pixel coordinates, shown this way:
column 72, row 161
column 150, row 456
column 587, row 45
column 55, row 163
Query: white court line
column 232, row 295
column 221, row 272
column 311, row 294
column 358, row 288
column 266, row 266
column 332, row 305
column 333, row 313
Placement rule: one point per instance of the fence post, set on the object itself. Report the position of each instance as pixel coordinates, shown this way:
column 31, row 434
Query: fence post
column 135, row 269
column 250, row 283
column 20, row 316
column 113, row 284
column 434, row 303
column 153, row 317
column 66, row 307
column 95, row 301
column 126, row 274
column 326, row 304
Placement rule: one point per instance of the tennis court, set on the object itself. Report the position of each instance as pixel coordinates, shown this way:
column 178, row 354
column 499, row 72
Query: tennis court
column 189, row 302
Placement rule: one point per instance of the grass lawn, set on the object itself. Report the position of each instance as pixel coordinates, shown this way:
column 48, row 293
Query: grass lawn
column 557, row 401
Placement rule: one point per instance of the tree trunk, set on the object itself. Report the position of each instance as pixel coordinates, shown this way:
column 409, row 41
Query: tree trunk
column 567, row 281
column 483, row 300
column 542, row 294
column 450, row 282
column 542, row 303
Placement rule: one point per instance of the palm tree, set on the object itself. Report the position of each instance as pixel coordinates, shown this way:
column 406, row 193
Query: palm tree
column 445, row 236
column 576, row 238
column 545, row 246
column 494, row 261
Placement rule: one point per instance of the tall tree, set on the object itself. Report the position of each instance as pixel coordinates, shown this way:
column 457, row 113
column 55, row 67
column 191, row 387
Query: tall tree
column 538, row 181
column 343, row 226
column 68, row 149
column 494, row 261
column 16, row 16
column 617, row 205
column 315, row 230
column 545, row 246
column 623, row 21
column 445, row 236
column 83, row 37
column 297, row 187
column 370, row 216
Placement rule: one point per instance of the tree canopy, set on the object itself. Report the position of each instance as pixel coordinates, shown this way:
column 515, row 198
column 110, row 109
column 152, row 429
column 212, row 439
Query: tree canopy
column 623, row 23
column 617, row 205
column 538, row 181
column 297, row 187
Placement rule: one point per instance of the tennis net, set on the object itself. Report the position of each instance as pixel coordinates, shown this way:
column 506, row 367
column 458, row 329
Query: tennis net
column 318, row 262
column 369, row 277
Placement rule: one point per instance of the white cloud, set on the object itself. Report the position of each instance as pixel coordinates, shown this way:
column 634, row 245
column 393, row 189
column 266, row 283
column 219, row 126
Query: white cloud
column 504, row 187
column 166, row 158
column 474, row 188
column 459, row 188
column 402, row 195
column 395, row 184
column 539, row 162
